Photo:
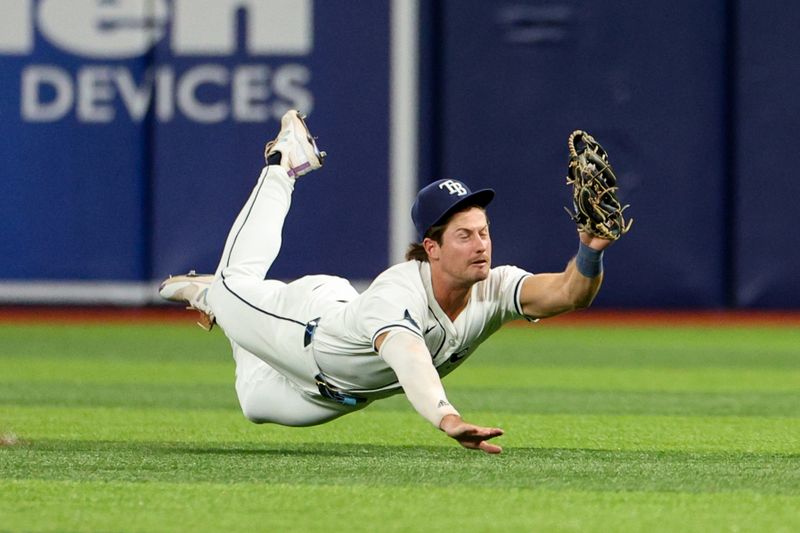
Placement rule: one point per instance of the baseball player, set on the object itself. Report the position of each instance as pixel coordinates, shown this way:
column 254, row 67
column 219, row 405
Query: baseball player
column 315, row 349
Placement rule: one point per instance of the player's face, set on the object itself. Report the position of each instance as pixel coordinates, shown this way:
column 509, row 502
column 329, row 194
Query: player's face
column 465, row 254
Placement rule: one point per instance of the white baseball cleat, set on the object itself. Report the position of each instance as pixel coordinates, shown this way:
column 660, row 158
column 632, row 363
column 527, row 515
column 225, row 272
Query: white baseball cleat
column 298, row 149
column 190, row 289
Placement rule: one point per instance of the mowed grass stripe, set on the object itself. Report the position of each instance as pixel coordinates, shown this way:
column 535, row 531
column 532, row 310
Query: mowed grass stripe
column 468, row 399
column 537, row 345
column 654, row 379
column 163, row 506
column 576, row 401
column 88, row 371
column 114, row 342
column 604, row 432
column 372, row 465
column 169, row 395
column 674, row 347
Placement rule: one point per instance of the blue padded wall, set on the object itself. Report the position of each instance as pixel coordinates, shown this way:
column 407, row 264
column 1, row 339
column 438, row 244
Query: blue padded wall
column 650, row 84
column 767, row 241
column 159, row 140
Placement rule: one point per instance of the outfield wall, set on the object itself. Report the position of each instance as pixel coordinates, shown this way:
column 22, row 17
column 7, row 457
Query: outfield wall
column 133, row 130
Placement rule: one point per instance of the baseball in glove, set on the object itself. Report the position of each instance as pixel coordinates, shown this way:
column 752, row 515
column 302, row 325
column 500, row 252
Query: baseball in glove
column 597, row 209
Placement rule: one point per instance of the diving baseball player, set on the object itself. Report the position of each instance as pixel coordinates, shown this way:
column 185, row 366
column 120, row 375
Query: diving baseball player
column 315, row 349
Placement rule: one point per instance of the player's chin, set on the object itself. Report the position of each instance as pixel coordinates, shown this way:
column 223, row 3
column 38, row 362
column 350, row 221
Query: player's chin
column 480, row 270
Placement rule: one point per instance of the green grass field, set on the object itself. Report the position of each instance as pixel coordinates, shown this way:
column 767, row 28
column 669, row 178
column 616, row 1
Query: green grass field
column 137, row 428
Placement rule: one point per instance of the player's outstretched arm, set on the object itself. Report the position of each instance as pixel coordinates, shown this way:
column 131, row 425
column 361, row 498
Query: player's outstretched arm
column 545, row 295
column 409, row 358
column 469, row 435
column 598, row 214
column 411, row 361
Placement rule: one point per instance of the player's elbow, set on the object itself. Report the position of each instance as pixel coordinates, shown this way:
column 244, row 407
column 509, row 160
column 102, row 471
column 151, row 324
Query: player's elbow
column 583, row 301
column 574, row 300
column 582, row 296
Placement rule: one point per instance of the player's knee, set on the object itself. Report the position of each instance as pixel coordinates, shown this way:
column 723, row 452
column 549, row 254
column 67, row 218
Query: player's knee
column 254, row 413
column 258, row 413
column 213, row 293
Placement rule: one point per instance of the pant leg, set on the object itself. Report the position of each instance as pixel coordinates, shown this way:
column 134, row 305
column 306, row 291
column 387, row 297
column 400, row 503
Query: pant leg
column 265, row 320
column 254, row 240
column 267, row 396
column 259, row 314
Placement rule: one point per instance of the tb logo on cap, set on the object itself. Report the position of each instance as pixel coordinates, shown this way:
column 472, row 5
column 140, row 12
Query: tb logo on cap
column 454, row 187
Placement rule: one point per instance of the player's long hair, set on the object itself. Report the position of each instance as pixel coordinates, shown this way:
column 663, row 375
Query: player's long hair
column 416, row 252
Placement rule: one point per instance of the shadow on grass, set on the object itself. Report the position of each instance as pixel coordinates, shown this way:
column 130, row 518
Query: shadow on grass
column 347, row 449
column 370, row 464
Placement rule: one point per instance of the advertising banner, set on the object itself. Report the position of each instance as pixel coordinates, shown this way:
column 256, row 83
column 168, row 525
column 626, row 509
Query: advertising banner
column 134, row 130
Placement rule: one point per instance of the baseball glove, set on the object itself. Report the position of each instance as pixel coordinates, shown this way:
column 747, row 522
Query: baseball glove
column 597, row 210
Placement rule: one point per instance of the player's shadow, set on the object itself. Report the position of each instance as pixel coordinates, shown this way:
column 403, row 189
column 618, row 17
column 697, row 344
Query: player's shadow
column 339, row 449
column 347, row 463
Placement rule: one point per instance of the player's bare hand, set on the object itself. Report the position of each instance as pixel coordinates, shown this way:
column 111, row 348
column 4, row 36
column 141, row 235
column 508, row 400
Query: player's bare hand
column 469, row 435
column 595, row 243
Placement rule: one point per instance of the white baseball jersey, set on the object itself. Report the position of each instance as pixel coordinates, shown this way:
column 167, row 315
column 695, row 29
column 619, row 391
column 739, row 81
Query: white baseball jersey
column 402, row 298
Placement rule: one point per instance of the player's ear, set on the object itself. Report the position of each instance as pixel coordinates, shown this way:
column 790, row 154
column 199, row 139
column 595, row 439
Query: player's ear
column 432, row 248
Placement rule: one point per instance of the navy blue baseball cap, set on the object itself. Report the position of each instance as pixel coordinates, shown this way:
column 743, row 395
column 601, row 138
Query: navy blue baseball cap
column 440, row 199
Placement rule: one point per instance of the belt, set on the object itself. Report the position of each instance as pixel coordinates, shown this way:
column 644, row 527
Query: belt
column 327, row 390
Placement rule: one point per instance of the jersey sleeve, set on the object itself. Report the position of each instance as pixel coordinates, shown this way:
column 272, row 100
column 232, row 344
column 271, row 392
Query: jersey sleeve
column 504, row 288
column 411, row 362
column 388, row 307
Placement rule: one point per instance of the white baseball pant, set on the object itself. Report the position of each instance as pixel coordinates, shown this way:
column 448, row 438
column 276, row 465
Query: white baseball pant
column 265, row 320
